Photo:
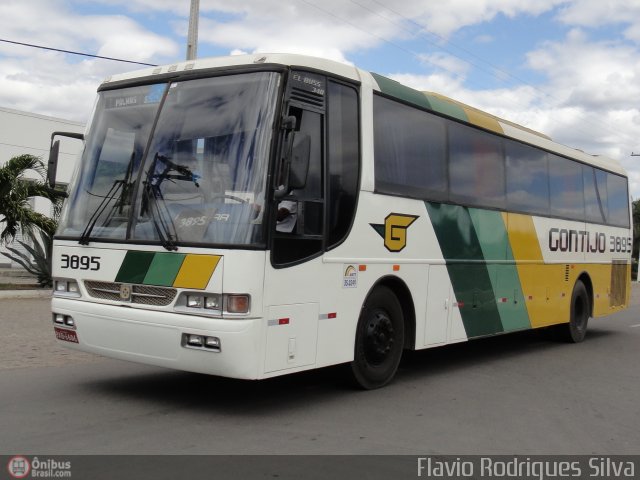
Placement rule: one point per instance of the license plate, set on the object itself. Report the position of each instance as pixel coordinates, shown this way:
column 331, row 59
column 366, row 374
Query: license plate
column 66, row 335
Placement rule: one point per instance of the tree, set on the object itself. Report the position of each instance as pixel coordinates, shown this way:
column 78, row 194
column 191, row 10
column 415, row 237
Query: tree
column 16, row 214
column 15, row 191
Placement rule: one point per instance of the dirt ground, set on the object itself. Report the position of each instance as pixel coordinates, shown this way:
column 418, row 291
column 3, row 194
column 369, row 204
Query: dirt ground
column 27, row 336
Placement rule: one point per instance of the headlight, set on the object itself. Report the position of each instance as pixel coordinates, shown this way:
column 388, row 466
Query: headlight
column 64, row 287
column 214, row 304
column 195, row 301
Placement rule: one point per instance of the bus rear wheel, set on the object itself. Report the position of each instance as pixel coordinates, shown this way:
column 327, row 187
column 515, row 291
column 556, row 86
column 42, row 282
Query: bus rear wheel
column 379, row 340
column 576, row 330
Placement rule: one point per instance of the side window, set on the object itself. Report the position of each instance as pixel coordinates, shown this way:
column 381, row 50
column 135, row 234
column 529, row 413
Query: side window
column 343, row 160
column 592, row 206
column 601, row 186
column 566, row 188
column 476, row 167
column 618, row 200
column 309, row 129
column 527, row 179
column 410, row 151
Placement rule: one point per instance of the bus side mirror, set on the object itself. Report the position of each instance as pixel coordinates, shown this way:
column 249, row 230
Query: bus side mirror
column 52, row 165
column 54, row 153
column 299, row 168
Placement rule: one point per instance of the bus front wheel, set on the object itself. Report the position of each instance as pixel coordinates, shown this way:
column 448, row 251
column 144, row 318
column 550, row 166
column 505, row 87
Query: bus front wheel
column 576, row 330
column 379, row 340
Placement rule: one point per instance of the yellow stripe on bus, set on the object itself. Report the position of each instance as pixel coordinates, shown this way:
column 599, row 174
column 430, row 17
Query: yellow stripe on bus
column 547, row 301
column 196, row 271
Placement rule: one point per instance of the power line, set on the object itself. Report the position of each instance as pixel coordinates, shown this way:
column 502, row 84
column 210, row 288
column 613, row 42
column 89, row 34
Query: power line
column 76, row 53
column 601, row 125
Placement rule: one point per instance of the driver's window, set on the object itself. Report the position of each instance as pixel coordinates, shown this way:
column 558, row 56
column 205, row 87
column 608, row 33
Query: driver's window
column 299, row 230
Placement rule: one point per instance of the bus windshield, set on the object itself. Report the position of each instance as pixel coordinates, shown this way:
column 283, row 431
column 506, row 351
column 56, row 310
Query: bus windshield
column 178, row 163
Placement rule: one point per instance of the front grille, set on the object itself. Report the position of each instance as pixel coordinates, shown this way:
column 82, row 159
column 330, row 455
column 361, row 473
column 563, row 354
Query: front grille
column 140, row 294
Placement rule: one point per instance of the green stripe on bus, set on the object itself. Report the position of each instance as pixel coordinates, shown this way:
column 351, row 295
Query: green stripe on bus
column 503, row 273
column 401, row 92
column 134, row 267
column 164, row 269
column 467, row 268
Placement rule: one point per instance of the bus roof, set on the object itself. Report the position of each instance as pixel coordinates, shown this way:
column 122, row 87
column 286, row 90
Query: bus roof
column 435, row 102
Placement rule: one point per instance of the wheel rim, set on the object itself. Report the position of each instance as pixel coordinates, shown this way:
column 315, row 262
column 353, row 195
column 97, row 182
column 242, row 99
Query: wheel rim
column 379, row 339
column 580, row 312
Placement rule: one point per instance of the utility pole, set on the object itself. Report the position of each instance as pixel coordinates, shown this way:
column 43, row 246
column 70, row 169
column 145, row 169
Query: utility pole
column 192, row 39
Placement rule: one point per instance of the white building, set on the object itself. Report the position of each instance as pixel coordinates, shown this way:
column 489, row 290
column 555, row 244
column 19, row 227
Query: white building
column 23, row 132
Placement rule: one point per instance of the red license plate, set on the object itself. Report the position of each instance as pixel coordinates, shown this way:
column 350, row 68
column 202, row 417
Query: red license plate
column 66, row 335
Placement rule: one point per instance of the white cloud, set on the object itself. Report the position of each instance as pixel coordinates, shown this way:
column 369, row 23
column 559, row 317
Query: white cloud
column 447, row 16
column 63, row 85
column 596, row 75
column 330, row 29
column 594, row 93
column 597, row 13
column 446, row 62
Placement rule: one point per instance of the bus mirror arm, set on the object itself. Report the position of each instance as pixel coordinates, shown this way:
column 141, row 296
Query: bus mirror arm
column 54, row 152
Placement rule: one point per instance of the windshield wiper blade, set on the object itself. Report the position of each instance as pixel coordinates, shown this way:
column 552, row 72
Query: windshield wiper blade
column 156, row 205
column 159, row 213
column 111, row 194
column 119, row 186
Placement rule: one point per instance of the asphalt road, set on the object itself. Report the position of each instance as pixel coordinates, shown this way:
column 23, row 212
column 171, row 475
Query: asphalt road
column 516, row 394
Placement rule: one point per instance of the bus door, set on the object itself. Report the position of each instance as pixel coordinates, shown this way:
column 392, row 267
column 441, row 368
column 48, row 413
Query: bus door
column 321, row 186
column 292, row 320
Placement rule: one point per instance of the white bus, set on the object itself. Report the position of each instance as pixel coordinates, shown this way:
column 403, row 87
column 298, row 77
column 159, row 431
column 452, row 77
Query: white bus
column 259, row 215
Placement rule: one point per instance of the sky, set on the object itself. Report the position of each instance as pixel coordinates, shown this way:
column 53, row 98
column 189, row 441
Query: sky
column 567, row 68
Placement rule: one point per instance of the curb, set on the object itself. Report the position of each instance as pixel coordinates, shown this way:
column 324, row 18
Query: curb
column 42, row 293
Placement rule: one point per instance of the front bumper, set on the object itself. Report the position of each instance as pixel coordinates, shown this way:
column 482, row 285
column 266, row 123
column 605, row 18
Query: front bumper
column 155, row 338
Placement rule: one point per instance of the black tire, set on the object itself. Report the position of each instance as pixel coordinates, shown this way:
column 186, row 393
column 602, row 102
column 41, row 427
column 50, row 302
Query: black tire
column 576, row 330
column 379, row 340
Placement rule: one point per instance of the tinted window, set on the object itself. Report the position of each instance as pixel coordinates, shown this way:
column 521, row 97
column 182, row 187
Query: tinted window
column 592, row 206
column 601, row 186
column 565, row 186
column 485, row 170
column 476, row 167
column 618, row 200
column 527, row 178
column 409, row 150
column 343, row 159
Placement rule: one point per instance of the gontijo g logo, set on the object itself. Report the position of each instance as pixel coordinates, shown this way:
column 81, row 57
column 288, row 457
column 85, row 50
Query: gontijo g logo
column 394, row 230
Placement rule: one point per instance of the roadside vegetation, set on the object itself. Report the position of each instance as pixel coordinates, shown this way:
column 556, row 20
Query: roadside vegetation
column 22, row 178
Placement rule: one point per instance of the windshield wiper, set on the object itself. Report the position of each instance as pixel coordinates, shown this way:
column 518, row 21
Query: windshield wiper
column 119, row 186
column 154, row 201
column 159, row 213
column 111, row 194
